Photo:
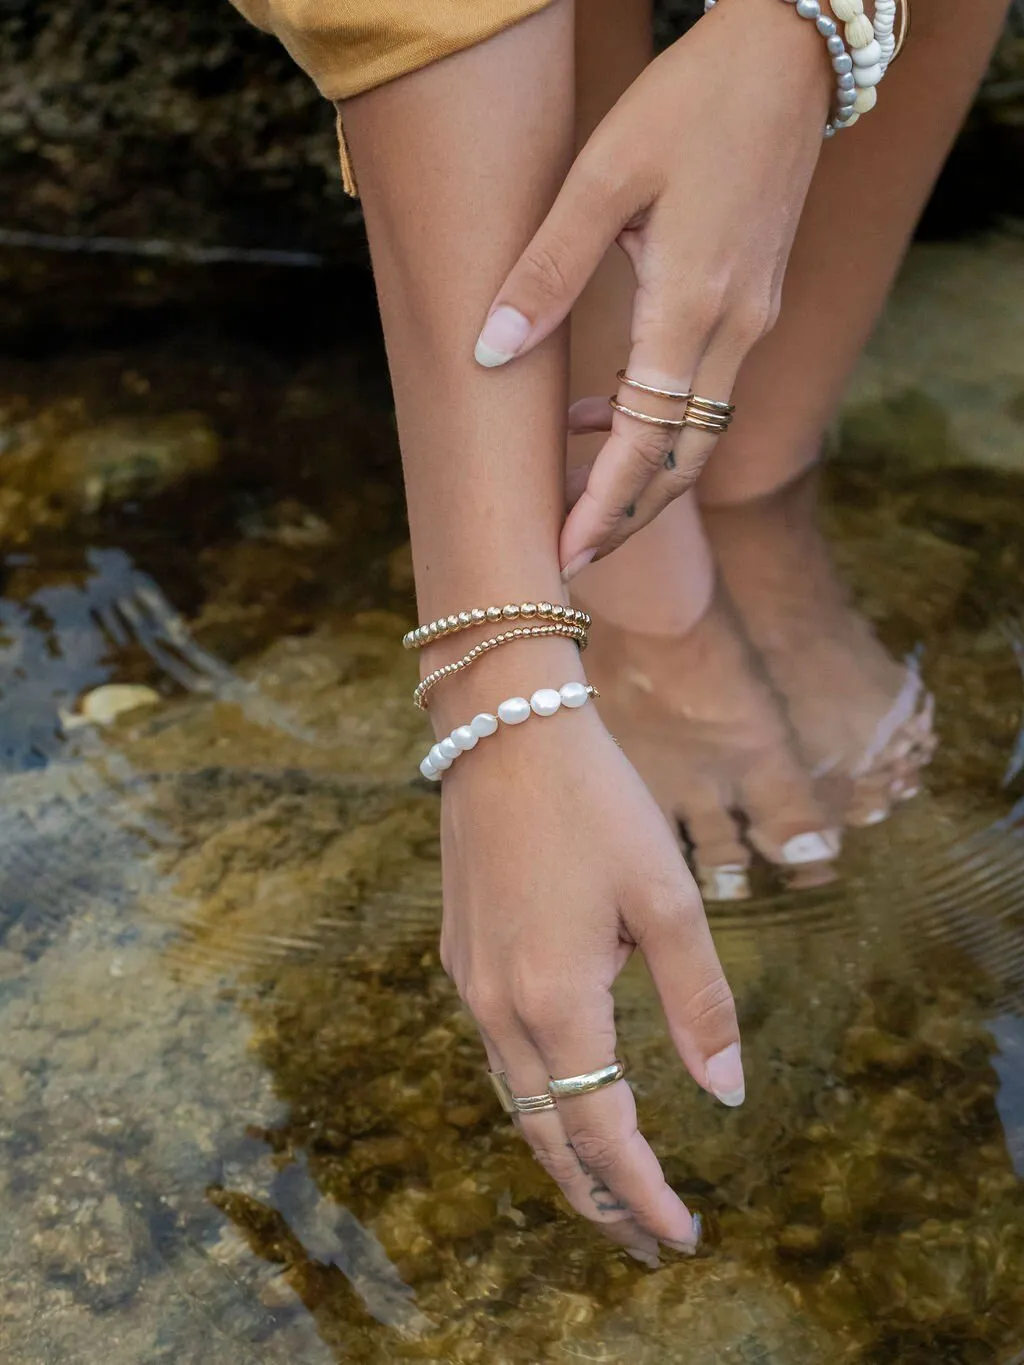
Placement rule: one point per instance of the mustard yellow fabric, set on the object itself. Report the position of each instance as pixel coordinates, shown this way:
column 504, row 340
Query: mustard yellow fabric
column 349, row 46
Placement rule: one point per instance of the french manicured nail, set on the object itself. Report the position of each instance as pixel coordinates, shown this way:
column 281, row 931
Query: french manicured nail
column 688, row 1248
column 725, row 1076
column 726, row 883
column 575, row 565
column 503, row 336
column 811, row 848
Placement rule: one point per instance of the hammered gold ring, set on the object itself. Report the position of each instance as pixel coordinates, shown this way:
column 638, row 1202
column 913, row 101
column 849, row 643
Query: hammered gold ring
column 673, row 423
column 588, row 1081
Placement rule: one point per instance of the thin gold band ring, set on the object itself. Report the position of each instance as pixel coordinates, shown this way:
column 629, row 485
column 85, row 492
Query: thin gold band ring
column 624, row 378
column 587, row 1081
column 671, row 423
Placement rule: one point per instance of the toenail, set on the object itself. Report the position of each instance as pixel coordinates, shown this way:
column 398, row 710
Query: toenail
column 875, row 817
column 727, row 883
column 909, row 793
column 811, row 848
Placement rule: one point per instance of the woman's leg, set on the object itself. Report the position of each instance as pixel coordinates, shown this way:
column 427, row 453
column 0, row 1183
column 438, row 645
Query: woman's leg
column 678, row 688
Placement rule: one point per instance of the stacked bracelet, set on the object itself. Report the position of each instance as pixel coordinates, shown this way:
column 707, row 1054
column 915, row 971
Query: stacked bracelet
column 570, row 631
column 544, row 702
column 482, row 616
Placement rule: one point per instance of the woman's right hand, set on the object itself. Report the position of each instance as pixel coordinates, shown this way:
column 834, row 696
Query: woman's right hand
column 557, row 864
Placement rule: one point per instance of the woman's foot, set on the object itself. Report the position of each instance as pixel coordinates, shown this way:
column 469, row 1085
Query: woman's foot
column 863, row 722
column 710, row 741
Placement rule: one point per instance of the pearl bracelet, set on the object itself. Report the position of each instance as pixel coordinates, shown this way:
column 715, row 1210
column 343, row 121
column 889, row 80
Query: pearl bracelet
column 843, row 63
column 482, row 616
column 544, row 702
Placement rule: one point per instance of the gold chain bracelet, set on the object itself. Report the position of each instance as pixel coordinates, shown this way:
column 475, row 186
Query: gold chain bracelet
column 484, row 616
column 568, row 630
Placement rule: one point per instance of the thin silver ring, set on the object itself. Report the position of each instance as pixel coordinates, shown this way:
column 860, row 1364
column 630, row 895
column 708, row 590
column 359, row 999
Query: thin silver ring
column 566, row 1086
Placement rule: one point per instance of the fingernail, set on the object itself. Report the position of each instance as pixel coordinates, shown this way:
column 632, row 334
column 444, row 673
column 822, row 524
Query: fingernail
column 727, row 883
column 503, row 335
column 688, row 1248
column 575, row 565
column 645, row 1258
column 811, row 848
column 725, row 1076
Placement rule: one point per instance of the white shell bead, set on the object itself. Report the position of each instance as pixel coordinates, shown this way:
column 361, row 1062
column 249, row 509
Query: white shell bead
column 574, row 694
column 428, row 770
column 866, row 99
column 438, row 759
column 484, row 724
column 867, row 55
column 851, row 120
column 860, row 32
column 463, row 738
column 448, row 747
column 514, row 711
column 867, row 75
column 545, row 701
column 846, row 10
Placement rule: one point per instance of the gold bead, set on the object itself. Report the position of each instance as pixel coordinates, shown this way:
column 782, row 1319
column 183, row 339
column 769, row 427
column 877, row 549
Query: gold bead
column 544, row 608
column 494, row 613
column 517, row 635
column 558, row 611
column 478, row 615
column 510, row 612
column 528, row 609
column 465, row 619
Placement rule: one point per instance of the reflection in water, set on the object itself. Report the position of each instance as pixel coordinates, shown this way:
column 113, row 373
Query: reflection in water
column 244, row 1116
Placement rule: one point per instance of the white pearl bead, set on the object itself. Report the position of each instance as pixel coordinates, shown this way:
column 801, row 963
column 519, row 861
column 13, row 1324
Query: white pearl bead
column 545, row 701
column 867, row 75
column 463, row 738
column 867, row 55
column 866, row 100
column 845, row 10
column 428, row 770
column 574, row 694
column 449, row 748
column 484, row 724
column 514, row 711
column 438, row 759
column 860, row 31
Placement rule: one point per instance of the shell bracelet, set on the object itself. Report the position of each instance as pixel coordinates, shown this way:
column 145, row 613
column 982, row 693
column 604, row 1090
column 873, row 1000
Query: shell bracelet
column 513, row 711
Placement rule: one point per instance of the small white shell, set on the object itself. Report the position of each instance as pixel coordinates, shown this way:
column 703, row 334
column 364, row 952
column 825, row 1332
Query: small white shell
column 866, row 99
column 845, row 10
column 860, row 31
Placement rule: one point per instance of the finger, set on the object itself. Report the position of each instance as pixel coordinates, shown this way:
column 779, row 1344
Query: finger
column 546, row 1135
column 585, row 219
column 588, row 415
column 719, row 855
column 636, row 450
column 574, row 1035
column 690, row 451
column 672, row 932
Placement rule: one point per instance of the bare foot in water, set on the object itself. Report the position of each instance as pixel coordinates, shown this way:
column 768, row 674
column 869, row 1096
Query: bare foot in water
column 863, row 721
column 710, row 741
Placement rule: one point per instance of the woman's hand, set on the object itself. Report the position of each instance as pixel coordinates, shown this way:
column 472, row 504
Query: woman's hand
column 699, row 172
column 557, row 864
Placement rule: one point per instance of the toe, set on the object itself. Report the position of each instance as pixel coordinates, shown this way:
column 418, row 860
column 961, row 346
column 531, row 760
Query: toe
column 788, row 825
column 719, row 856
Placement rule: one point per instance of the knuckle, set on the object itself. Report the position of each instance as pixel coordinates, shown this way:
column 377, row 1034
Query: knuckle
column 544, row 270
column 560, row 1163
column 652, row 444
column 487, row 1004
column 599, row 1150
column 751, row 319
column 542, row 1008
column 711, row 1007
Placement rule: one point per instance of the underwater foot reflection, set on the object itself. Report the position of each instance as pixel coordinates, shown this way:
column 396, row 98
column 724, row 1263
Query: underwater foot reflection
column 245, row 1117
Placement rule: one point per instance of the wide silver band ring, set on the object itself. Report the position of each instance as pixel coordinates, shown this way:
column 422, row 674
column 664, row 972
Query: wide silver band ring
column 566, row 1086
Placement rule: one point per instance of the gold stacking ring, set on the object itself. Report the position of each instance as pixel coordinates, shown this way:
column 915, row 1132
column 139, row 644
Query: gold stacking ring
column 709, row 414
column 518, row 1104
column 588, row 1081
column 673, row 423
column 624, row 378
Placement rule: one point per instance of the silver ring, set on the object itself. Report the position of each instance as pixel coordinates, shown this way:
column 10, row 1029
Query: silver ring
column 583, row 1084
column 517, row 1104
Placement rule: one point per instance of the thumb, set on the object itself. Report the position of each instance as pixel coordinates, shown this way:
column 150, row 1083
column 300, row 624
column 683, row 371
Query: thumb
column 549, row 276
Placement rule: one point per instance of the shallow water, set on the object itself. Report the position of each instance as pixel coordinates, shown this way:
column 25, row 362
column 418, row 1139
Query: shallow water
column 244, row 1118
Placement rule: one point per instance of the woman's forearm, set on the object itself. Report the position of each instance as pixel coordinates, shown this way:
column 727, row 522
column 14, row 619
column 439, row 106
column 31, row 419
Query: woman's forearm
column 457, row 166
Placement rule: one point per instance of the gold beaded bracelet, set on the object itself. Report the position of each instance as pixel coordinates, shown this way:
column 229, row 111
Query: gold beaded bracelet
column 482, row 616
column 568, row 630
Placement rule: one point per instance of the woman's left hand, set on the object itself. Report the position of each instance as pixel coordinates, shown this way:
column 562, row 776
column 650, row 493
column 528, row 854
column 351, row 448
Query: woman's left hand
column 699, row 172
